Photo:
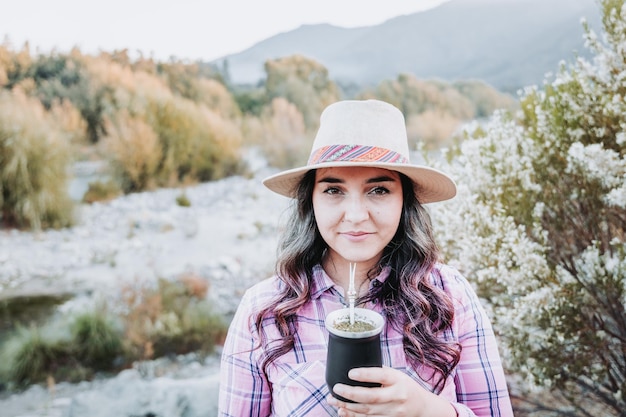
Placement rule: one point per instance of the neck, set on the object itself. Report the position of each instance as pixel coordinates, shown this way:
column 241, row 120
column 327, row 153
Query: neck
column 339, row 272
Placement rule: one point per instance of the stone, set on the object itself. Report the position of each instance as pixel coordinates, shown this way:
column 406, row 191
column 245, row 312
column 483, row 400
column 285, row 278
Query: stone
column 163, row 397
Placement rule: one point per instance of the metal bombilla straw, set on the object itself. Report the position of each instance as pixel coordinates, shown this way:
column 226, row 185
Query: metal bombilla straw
column 352, row 291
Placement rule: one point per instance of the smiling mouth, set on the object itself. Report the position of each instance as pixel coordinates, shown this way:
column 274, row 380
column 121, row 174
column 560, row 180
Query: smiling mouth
column 356, row 236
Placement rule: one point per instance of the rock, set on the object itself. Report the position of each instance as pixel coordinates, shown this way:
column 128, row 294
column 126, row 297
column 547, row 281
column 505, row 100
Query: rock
column 162, row 397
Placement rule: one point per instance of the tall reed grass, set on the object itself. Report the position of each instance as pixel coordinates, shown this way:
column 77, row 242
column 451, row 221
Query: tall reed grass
column 34, row 160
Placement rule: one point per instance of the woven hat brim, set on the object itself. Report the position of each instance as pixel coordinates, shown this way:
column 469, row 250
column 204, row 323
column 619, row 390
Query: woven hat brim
column 431, row 185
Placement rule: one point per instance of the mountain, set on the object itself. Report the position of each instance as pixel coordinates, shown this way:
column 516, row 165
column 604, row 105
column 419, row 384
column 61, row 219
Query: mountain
column 506, row 43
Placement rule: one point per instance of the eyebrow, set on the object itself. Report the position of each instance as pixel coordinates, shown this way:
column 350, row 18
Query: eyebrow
column 334, row 180
column 383, row 178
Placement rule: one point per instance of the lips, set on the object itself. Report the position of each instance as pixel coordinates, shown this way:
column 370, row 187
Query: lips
column 356, row 236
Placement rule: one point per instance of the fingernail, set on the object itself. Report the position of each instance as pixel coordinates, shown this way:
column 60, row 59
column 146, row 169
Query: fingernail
column 354, row 373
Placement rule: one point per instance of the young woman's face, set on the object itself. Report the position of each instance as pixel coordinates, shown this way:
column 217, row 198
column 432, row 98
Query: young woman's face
column 357, row 211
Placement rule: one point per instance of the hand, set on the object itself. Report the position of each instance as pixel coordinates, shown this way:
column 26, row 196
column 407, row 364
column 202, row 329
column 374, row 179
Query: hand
column 399, row 396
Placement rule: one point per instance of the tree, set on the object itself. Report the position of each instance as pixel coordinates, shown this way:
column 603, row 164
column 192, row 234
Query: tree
column 303, row 82
column 434, row 109
column 540, row 225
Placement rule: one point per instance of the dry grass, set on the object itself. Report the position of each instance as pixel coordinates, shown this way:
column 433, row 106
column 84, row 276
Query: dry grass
column 170, row 317
column 34, row 155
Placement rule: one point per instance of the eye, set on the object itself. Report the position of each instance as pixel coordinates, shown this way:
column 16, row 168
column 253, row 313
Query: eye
column 379, row 191
column 332, row 191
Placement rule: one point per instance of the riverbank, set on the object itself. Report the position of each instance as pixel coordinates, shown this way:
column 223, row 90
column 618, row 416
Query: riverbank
column 227, row 236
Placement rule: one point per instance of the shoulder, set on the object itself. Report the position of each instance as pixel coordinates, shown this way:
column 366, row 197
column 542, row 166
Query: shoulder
column 468, row 308
column 447, row 277
column 453, row 283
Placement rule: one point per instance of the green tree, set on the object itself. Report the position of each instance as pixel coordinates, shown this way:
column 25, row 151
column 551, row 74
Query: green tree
column 16, row 65
column 251, row 101
column 66, row 77
column 303, row 82
column 184, row 78
column 540, row 225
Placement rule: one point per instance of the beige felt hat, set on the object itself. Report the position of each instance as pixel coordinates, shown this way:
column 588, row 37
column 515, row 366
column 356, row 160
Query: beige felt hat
column 369, row 133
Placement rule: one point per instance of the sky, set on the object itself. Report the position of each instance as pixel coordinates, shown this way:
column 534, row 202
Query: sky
column 185, row 29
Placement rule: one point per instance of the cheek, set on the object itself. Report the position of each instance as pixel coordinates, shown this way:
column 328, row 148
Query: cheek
column 393, row 216
column 321, row 214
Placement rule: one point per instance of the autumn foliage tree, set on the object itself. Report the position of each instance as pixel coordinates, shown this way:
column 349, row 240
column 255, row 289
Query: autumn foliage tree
column 540, row 225
column 176, row 123
column 303, row 82
column 435, row 109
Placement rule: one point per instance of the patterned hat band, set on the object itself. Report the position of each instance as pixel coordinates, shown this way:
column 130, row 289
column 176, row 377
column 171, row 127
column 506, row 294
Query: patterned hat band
column 370, row 133
column 356, row 153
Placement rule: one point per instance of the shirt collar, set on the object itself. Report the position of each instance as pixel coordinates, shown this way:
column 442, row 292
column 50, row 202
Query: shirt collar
column 321, row 281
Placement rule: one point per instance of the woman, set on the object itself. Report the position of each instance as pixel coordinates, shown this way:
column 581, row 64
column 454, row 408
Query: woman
column 359, row 200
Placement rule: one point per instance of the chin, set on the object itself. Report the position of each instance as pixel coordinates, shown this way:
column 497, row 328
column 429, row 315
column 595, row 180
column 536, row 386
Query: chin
column 359, row 257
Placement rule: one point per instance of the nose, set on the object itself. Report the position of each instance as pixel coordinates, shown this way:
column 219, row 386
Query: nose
column 356, row 210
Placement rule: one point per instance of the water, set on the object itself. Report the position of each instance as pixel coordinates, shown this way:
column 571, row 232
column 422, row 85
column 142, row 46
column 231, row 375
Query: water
column 83, row 173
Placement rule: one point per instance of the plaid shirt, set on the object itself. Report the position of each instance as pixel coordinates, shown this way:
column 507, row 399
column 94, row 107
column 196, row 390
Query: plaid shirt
column 295, row 384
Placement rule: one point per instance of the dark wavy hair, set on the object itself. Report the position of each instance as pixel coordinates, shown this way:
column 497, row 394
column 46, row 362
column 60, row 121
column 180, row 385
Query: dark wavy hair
column 413, row 306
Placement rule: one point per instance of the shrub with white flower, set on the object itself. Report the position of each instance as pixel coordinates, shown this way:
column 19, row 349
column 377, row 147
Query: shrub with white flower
column 539, row 225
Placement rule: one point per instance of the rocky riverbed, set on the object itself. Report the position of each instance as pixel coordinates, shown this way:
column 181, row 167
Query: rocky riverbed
column 227, row 235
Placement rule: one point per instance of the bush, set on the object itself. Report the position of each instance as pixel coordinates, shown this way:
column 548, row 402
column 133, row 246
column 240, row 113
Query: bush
column 97, row 341
column 34, row 156
column 102, row 191
column 135, row 152
column 62, row 350
column 32, row 355
column 435, row 109
column 173, row 141
column 280, row 134
column 187, row 322
column 194, row 328
column 173, row 317
column 540, row 224
column 303, row 82
column 183, row 201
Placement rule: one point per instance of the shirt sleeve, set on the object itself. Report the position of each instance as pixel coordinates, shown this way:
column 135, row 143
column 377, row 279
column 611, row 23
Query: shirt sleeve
column 481, row 388
column 244, row 389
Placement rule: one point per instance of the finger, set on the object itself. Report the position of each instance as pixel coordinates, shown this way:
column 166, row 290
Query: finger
column 344, row 409
column 383, row 376
column 342, row 412
column 360, row 395
column 343, row 391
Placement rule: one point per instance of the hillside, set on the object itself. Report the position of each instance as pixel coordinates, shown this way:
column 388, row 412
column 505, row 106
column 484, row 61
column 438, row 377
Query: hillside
column 507, row 43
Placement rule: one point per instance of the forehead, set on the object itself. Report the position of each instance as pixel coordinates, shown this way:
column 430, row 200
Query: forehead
column 355, row 173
